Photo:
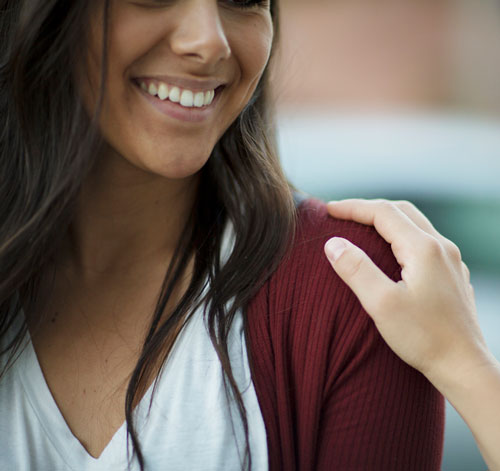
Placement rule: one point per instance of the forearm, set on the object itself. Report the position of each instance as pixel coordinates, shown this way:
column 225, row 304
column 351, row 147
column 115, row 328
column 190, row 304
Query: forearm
column 475, row 394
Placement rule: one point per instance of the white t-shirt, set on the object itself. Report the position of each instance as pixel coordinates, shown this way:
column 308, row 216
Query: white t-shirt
column 189, row 426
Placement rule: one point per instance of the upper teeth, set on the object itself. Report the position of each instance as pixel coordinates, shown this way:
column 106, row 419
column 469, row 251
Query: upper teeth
column 184, row 97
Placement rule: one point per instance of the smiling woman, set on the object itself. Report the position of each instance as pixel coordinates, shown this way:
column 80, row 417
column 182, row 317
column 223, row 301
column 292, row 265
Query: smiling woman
column 149, row 237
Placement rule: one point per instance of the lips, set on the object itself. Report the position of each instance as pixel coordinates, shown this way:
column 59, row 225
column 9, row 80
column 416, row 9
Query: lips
column 180, row 103
column 184, row 96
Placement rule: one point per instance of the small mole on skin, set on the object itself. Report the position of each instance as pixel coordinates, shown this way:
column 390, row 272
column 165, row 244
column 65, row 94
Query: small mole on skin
column 54, row 318
column 84, row 391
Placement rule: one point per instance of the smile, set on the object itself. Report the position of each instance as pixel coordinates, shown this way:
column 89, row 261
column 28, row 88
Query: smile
column 184, row 97
column 193, row 105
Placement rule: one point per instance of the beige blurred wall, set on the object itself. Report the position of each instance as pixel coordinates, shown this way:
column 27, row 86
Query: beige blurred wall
column 390, row 53
column 475, row 52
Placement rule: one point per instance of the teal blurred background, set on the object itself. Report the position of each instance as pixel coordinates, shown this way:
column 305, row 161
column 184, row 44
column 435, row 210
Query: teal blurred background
column 401, row 99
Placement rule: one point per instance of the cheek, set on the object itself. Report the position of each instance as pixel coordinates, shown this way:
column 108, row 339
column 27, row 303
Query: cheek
column 124, row 43
column 252, row 46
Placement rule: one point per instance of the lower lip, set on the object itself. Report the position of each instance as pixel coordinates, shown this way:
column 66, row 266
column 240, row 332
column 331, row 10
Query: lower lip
column 177, row 111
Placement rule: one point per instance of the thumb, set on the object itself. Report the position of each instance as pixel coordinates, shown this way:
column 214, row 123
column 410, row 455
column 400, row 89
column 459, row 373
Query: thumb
column 356, row 269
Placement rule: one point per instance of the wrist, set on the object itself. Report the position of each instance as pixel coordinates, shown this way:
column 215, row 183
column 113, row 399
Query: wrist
column 452, row 376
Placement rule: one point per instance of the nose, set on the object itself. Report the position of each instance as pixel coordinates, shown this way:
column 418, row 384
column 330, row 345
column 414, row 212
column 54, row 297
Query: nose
column 199, row 34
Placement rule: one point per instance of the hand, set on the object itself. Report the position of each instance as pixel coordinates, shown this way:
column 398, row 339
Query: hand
column 429, row 318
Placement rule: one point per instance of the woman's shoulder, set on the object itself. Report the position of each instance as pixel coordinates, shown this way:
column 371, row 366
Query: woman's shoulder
column 315, row 227
column 304, row 284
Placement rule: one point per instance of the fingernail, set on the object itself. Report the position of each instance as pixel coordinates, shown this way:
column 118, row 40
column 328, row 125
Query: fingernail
column 334, row 248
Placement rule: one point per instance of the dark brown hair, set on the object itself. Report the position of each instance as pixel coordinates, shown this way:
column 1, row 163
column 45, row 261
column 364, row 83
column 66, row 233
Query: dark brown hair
column 47, row 147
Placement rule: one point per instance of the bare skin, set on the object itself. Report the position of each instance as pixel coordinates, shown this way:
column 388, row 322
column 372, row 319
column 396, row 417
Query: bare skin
column 134, row 204
column 88, row 344
column 108, row 278
column 429, row 318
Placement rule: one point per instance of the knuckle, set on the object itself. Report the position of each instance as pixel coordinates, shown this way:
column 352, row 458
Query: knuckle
column 432, row 249
column 405, row 205
column 388, row 206
column 353, row 264
column 439, row 248
column 452, row 250
column 466, row 271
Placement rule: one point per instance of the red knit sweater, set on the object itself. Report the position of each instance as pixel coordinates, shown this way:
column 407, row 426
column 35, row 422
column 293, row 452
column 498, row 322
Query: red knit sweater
column 332, row 394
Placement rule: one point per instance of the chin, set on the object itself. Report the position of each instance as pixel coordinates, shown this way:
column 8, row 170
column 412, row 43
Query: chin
column 180, row 167
column 172, row 160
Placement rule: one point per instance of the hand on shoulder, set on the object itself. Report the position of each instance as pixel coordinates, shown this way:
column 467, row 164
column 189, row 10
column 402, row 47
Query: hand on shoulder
column 429, row 317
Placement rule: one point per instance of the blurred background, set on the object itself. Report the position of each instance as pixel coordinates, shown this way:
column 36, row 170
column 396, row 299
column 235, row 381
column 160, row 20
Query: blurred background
column 400, row 99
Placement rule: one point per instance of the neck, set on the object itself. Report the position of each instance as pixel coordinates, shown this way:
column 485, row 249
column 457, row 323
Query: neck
column 126, row 218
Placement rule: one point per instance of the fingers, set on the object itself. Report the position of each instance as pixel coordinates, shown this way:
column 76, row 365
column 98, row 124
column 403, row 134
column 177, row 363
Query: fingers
column 393, row 224
column 355, row 268
column 417, row 217
column 346, row 209
column 400, row 223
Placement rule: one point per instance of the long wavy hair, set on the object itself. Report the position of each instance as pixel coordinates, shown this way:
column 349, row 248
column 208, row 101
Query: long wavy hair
column 48, row 144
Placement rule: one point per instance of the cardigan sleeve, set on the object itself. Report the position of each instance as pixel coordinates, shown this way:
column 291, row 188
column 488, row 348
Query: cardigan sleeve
column 333, row 395
column 378, row 413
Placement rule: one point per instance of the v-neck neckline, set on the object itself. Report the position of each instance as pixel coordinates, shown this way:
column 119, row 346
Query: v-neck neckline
column 52, row 421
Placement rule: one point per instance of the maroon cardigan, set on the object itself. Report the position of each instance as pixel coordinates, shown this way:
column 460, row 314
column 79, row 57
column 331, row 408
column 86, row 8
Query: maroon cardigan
column 332, row 394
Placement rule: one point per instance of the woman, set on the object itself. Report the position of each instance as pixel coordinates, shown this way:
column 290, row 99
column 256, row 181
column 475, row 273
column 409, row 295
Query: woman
column 429, row 318
column 159, row 287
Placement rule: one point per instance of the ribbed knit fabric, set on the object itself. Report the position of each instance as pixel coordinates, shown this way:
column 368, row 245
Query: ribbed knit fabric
column 332, row 394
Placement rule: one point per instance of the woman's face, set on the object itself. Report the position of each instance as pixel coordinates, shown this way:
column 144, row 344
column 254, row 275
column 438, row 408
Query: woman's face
column 179, row 73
